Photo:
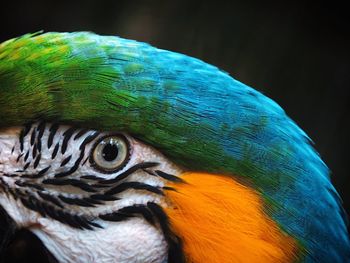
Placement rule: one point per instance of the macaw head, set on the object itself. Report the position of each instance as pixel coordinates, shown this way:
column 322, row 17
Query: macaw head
column 114, row 151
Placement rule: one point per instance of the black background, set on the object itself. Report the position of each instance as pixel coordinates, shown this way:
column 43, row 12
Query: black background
column 296, row 52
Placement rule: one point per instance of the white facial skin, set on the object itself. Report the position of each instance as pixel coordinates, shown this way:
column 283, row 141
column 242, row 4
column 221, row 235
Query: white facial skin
column 32, row 173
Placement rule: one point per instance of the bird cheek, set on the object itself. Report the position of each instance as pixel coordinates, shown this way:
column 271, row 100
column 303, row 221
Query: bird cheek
column 213, row 214
column 8, row 153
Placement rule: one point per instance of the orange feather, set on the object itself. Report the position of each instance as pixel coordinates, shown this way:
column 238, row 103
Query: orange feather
column 221, row 220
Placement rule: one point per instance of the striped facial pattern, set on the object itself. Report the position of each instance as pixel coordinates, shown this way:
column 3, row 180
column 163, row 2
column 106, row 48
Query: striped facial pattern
column 83, row 178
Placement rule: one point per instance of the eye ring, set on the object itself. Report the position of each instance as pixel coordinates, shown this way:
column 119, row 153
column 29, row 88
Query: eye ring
column 110, row 153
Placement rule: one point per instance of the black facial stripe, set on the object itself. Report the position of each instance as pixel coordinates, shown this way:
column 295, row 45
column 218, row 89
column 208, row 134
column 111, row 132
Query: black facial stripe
column 73, row 168
column 98, row 186
column 115, row 217
column 93, row 201
column 169, row 177
column 88, row 139
column 133, row 185
column 86, row 159
column 40, row 129
column 19, row 183
column 168, row 188
column 26, row 156
column 152, row 213
column 104, row 197
column 85, row 202
column 52, row 131
column 82, row 222
column 91, row 177
column 92, row 223
column 34, row 151
column 13, row 193
column 76, row 201
column 9, row 175
column 65, row 161
column 26, row 166
column 50, row 198
column 29, row 203
column 37, row 160
column 80, row 133
column 65, row 217
column 24, row 133
column 129, row 212
column 71, row 182
column 54, row 211
column 41, row 173
column 32, row 137
column 31, row 185
column 76, row 221
column 175, row 250
column 35, row 186
column 66, row 136
column 39, row 145
column 98, row 191
column 19, row 157
column 139, row 210
column 55, row 151
column 128, row 172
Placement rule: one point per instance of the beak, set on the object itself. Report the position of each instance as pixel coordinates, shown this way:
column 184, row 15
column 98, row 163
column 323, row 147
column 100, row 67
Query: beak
column 20, row 245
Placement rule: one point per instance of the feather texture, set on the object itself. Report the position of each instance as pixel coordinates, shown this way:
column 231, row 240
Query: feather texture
column 194, row 113
column 225, row 222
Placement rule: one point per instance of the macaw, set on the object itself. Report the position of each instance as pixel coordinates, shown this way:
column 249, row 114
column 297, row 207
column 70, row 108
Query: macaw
column 112, row 150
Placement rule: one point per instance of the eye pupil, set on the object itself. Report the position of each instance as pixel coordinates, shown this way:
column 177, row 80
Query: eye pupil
column 110, row 152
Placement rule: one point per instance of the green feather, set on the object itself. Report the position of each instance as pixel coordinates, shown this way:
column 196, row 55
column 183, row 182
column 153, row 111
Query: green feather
column 191, row 111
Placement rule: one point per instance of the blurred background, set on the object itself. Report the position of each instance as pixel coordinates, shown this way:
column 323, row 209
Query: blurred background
column 295, row 52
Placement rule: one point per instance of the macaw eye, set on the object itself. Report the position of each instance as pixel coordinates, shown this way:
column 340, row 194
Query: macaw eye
column 110, row 153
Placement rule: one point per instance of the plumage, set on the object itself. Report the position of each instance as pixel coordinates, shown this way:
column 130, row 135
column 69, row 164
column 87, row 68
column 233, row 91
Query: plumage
column 195, row 114
column 226, row 221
